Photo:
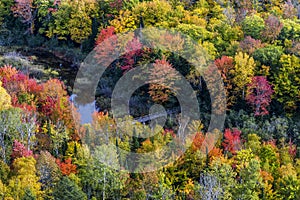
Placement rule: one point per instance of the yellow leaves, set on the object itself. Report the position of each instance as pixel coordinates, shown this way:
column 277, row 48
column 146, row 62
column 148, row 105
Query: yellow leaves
column 24, row 178
column 264, row 70
column 73, row 18
column 193, row 19
column 73, row 148
column 253, row 143
column 201, row 11
column 269, row 193
column 287, row 82
column 3, row 189
column 210, row 48
column 297, row 166
column 189, row 187
column 102, row 122
column 195, row 126
column 147, row 146
column 80, row 20
column 5, row 99
column 153, row 11
column 287, row 170
column 243, row 158
column 126, row 21
column 243, row 71
column 220, row 161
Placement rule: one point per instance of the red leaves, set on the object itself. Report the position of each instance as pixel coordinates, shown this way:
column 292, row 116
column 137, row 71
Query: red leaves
column 22, row 8
column 19, row 150
column 66, row 167
column 54, row 103
column 50, row 99
column 53, row 9
column 133, row 50
column 224, row 64
column 162, row 77
column 232, row 140
column 22, row 89
column 106, row 46
column 105, row 34
column 48, row 106
column 259, row 94
column 117, row 4
column 292, row 149
column 198, row 140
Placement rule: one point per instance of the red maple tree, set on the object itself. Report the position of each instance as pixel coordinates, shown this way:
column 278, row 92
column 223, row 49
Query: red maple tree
column 106, row 46
column 259, row 93
column 19, row 150
column 232, row 140
column 133, row 50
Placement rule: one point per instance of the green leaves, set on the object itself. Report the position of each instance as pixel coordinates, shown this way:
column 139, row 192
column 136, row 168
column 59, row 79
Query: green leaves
column 67, row 189
column 269, row 55
column 72, row 19
column 250, row 181
column 253, row 26
column 5, row 6
column 287, row 81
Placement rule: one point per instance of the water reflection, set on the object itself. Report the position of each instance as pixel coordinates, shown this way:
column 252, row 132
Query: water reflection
column 85, row 110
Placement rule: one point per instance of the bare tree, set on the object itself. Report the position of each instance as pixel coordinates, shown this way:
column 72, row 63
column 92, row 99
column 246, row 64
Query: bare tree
column 209, row 187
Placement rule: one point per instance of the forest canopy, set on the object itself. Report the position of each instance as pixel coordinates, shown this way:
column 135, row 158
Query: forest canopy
column 47, row 153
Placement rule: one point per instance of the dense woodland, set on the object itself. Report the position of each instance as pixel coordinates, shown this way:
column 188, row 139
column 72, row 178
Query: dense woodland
column 46, row 153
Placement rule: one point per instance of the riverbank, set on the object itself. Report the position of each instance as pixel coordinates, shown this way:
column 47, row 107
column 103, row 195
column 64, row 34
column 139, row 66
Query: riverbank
column 43, row 64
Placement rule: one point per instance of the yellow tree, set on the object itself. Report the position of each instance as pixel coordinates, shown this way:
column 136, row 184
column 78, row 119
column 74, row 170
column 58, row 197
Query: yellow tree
column 72, row 19
column 5, row 99
column 80, row 24
column 243, row 72
column 24, row 179
column 287, row 82
column 249, row 179
column 288, row 184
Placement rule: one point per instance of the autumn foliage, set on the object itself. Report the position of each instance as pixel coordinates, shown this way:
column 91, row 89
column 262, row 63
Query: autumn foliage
column 198, row 141
column 253, row 46
column 19, row 150
column 66, row 167
column 232, row 140
column 105, row 34
column 133, row 50
column 259, row 95
column 23, row 9
column 162, row 77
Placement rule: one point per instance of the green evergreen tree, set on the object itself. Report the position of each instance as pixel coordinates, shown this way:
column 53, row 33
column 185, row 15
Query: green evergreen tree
column 66, row 189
